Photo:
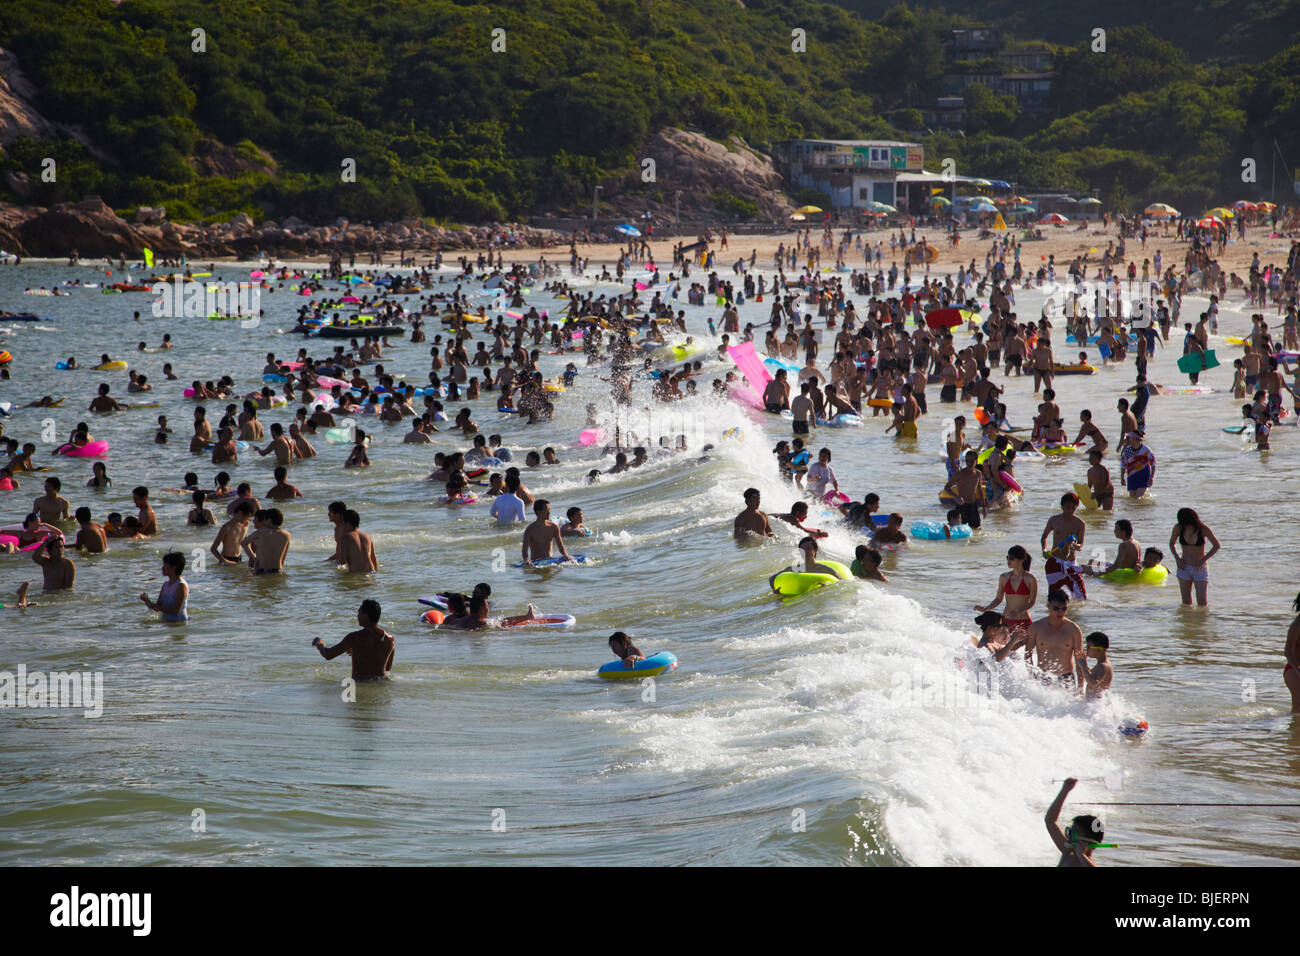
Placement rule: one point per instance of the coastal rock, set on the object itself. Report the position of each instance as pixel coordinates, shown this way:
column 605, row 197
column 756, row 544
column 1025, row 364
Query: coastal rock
column 704, row 168
column 89, row 226
column 241, row 225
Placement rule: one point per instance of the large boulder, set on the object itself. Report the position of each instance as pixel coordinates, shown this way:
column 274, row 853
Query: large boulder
column 89, row 226
column 18, row 118
column 698, row 168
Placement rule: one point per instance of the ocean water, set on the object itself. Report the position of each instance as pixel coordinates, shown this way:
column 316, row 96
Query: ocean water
column 838, row 728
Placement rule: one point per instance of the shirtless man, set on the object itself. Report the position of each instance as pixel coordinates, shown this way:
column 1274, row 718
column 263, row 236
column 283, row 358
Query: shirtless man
column 148, row 520
column 224, row 450
column 104, row 403
column 1128, row 556
column 1055, row 639
column 250, row 429
column 280, row 445
column 267, row 546
column 892, row 532
column 1042, row 363
column 808, row 546
column 797, row 515
column 776, row 395
column 1127, row 420
column 751, row 521
column 243, row 493
column 335, row 514
column 301, row 447
column 356, row 548
column 90, row 537
column 967, row 488
column 51, row 506
column 542, row 536
column 371, row 647
column 22, row 460
column 1065, row 524
column 803, row 410
column 57, row 569
column 229, row 540
column 282, row 490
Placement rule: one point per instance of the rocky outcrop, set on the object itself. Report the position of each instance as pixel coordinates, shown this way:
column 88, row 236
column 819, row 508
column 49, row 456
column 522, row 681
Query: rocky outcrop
column 212, row 158
column 94, row 229
column 18, row 118
column 89, row 226
column 690, row 170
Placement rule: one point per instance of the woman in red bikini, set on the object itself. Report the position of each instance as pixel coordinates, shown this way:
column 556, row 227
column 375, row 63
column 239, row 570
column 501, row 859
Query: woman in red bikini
column 1019, row 588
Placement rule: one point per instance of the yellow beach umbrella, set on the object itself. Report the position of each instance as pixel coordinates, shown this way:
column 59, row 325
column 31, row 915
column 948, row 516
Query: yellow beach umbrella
column 1220, row 212
column 806, row 210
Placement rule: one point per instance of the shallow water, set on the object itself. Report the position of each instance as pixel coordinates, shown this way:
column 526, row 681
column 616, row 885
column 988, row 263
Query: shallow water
column 836, row 728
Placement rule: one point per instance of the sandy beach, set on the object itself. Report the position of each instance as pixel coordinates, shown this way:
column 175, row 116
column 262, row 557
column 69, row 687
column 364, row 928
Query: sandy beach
column 1063, row 242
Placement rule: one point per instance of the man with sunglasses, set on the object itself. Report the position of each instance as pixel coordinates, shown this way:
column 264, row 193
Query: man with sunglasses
column 1056, row 639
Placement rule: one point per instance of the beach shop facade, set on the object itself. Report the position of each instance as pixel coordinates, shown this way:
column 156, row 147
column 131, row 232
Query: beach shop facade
column 853, row 173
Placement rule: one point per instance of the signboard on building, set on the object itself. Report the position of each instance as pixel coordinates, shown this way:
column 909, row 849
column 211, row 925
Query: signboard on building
column 916, row 155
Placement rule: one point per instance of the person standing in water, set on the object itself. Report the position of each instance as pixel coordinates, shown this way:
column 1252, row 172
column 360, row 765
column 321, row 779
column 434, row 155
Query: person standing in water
column 173, row 596
column 1191, row 533
column 371, row 647
column 1019, row 588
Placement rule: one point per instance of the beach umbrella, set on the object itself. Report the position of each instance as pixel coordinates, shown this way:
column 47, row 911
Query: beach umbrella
column 1054, row 217
column 1090, row 201
column 1025, row 208
column 882, row 207
column 1208, row 222
column 1161, row 210
column 1020, row 199
column 1268, row 206
column 1245, row 204
column 984, row 206
column 941, row 200
column 999, row 184
column 628, row 230
column 980, row 182
column 1219, row 212
column 874, row 214
column 808, row 210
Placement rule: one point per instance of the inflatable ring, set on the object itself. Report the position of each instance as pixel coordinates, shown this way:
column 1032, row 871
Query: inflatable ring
column 1156, row 575
column 789, row 583
column 652, row 666
column 933, row 531
column 109, row 365
column 92, row 449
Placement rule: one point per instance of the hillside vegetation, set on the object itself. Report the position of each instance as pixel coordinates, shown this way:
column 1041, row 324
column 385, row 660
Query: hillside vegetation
column 440, row 125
